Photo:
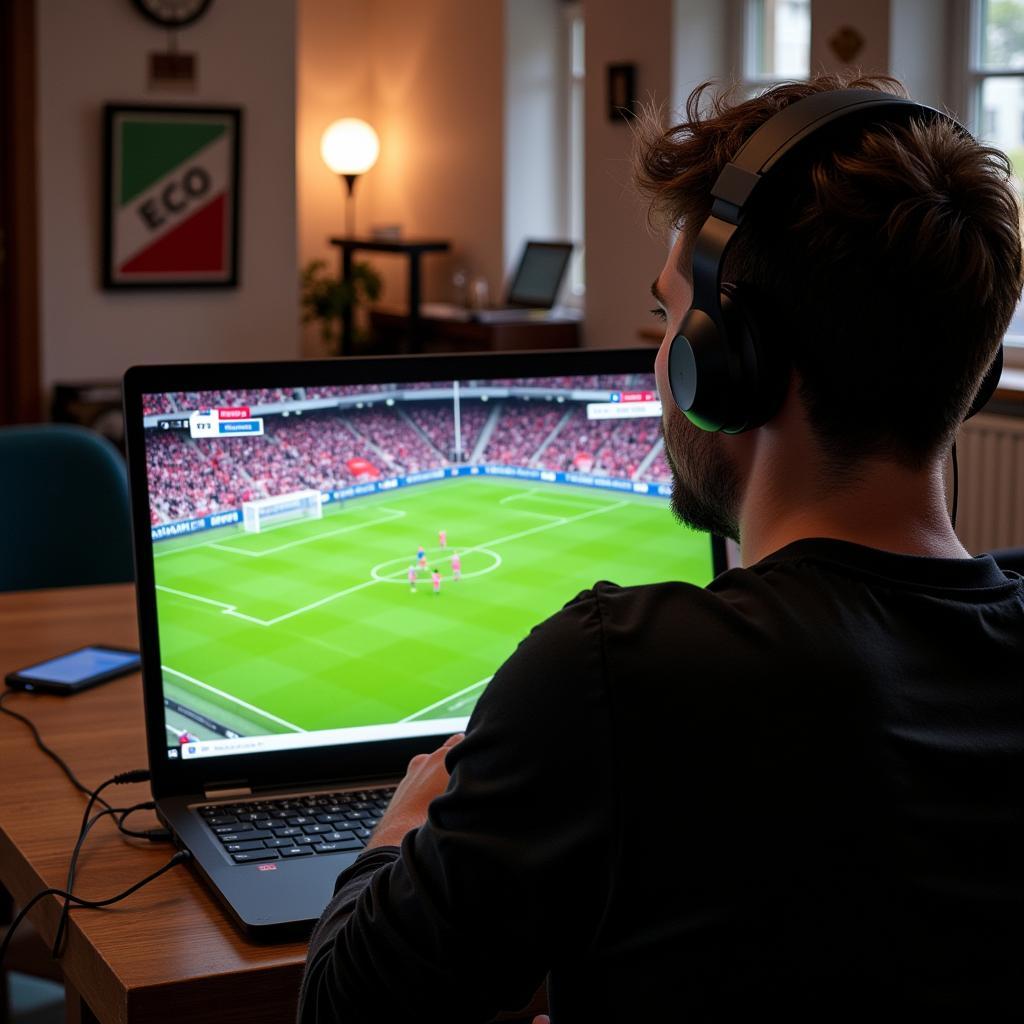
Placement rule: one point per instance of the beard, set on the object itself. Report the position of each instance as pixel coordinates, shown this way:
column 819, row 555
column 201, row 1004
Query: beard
column 705, row 485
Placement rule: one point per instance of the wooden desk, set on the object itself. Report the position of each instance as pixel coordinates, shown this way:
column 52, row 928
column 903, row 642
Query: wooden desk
column 391, row 332
column 168, row 952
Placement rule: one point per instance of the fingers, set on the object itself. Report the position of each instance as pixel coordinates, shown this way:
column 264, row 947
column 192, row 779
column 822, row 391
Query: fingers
column 421, row 759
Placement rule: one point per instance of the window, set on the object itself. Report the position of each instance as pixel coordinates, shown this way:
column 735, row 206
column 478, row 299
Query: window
column 776, row 42
column 995, row 100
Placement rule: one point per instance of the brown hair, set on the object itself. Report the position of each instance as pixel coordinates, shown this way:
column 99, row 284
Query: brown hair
column 888, row 263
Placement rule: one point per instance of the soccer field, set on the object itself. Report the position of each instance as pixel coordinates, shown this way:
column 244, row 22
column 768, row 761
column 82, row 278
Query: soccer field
column 313, row 624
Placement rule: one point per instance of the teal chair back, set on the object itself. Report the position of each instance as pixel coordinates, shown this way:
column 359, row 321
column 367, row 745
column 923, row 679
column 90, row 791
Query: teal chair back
column 64, row 509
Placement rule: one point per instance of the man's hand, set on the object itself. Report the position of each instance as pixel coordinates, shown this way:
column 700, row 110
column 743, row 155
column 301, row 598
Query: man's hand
column 425, row 778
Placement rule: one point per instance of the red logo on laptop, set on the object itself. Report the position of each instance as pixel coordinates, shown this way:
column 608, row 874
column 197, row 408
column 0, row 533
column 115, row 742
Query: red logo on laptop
column 267, row 867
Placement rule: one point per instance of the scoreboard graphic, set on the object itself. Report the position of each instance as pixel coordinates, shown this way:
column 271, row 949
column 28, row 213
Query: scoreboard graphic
column 171, row 197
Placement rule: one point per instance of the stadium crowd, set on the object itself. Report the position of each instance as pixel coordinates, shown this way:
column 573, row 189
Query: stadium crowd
column 324, row 450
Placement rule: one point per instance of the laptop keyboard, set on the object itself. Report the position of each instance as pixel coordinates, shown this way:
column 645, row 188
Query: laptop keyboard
column 305, row 826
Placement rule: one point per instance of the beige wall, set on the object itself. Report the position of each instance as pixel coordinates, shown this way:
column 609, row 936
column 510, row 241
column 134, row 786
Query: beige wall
column 96, row 52
column 869, row 17
column 332, row 80
column 429, row 77
column 623, row 257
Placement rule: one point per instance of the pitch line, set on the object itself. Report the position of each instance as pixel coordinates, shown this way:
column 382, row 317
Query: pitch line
column 444, row 700
column 543, row 494
column 237, row 700
column 462, row 550
column 230, row 609
column 344, row 510
column 394, row 513
column 226, row 609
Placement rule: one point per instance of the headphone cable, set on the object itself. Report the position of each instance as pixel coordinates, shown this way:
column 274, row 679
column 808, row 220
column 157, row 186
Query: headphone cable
column 956, row 487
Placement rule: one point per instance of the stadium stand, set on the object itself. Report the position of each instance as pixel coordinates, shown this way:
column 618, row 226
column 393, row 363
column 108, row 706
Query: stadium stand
column 325, row 450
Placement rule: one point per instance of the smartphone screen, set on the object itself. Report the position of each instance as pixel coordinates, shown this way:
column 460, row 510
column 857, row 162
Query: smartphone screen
column 90, row 664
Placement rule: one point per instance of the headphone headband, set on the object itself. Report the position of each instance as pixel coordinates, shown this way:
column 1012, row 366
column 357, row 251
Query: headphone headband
column 722, row 375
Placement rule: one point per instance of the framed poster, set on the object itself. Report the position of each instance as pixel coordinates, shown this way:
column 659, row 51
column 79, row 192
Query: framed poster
column 170, row 197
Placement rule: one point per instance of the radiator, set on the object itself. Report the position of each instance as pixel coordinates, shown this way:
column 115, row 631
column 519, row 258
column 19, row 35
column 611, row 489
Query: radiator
column 990, row 454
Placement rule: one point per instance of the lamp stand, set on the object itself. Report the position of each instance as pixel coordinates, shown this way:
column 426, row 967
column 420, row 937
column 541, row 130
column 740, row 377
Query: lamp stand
column 350, row 204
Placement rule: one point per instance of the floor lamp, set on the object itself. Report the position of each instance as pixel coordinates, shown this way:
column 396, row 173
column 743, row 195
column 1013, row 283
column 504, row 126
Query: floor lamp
column 349, row 147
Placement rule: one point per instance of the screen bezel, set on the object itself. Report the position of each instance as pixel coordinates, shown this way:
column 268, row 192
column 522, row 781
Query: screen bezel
column 329, row 763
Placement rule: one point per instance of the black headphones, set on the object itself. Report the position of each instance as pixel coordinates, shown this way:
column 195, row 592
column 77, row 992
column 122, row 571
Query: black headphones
column 722, row 375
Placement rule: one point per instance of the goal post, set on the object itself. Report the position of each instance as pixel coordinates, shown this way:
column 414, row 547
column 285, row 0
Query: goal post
column 264, row 512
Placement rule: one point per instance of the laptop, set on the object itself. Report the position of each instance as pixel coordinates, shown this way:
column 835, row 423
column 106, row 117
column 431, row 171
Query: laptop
column 531, row 293
column 332, row 560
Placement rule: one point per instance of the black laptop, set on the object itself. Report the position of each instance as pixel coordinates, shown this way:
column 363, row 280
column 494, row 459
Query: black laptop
column 334, row 557
column 532, row 290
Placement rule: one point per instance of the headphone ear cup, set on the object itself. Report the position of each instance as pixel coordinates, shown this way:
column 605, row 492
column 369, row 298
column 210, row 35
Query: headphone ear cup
column 761, row 371
column 988, row 385
column 698, row 369
column 728, row 380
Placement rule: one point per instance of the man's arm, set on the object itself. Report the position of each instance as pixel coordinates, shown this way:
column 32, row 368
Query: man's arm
column 511, row 870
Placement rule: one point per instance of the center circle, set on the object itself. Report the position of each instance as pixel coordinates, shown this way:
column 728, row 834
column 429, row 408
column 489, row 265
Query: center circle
column 383, row 573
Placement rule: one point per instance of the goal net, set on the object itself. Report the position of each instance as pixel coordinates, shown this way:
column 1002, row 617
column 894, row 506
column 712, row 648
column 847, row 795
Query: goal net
column 258, row 515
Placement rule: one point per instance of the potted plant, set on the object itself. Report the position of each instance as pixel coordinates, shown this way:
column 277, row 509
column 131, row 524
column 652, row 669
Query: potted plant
column 326, row 297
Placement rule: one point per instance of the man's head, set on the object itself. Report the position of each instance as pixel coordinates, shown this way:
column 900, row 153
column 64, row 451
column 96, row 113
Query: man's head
column 885, row 261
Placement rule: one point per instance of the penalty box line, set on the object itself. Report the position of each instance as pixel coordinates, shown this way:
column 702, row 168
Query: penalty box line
column 236, row 700
column 334, row 513
column 230, row 609
column 393, row 514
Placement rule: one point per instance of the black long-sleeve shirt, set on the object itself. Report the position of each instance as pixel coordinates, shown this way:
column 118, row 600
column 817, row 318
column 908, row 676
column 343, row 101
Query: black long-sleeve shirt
column 796, row 790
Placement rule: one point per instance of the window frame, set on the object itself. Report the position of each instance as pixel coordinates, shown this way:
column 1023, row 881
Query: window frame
column 968, row 86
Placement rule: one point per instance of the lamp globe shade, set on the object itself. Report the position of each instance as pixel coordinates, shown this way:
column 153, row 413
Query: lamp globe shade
column 349, row 146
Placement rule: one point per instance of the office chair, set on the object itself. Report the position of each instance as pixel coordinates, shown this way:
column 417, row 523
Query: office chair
column 65, row 519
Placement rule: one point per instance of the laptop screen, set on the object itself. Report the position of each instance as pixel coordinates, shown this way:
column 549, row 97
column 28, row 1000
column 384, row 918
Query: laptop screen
column 539, row 274
column 343, row 564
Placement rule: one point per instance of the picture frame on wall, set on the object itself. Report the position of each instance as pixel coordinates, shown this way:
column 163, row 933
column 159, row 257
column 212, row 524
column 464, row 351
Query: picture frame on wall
column 171, row 196
column 621, row 92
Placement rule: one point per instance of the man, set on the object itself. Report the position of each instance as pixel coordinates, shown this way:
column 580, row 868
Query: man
column 793, row 793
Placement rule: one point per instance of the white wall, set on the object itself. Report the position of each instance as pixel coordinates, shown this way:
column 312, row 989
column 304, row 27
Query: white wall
column 97, row 52
column 536, row 125
column 702, row 46
column 919, row 49
column 623, row 256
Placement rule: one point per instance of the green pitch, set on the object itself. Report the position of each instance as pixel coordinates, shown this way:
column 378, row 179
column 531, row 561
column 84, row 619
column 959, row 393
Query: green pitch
column 313, row 624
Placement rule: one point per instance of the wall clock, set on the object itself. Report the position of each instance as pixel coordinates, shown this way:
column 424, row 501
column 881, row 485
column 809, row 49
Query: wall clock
column 173, row 13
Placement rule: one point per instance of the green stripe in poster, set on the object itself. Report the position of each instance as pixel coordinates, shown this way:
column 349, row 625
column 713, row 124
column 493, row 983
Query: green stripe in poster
column 149, row 150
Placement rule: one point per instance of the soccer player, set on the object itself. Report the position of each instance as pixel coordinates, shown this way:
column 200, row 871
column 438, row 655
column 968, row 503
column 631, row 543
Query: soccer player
column 412, row 578
column 421, row 557
column 435, row 578
column 442, row 538
column 456, row 566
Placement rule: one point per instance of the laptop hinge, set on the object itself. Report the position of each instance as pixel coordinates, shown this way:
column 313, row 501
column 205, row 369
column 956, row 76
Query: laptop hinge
column 219, row 793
